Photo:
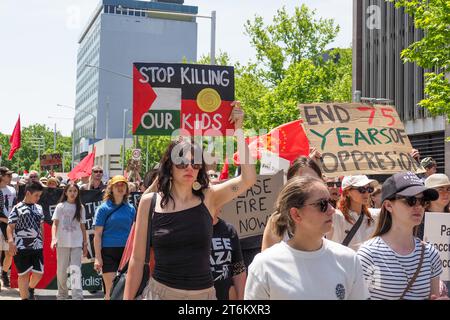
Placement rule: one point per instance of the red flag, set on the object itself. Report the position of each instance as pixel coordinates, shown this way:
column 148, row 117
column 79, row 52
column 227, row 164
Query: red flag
column 224, row 172
column 15, row 139
column 288, row 141
column 84, row 168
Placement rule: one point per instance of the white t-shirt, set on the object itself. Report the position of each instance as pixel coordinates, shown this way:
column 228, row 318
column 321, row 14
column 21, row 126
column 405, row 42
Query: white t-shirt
column 341, row 227
column 387, row 273
column 282, row 273
column 68, row 234
column 9, row 194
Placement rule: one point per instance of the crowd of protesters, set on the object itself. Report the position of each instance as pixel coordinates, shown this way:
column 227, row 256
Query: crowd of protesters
column 332, row 238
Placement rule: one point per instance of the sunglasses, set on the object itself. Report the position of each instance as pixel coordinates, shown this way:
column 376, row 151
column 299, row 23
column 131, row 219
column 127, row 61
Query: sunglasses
column 363, row 190
column 412, row 201
column 335, row 184
column 32, row 177
column 214, row 176
column 322, row 204
column 97, row 171
column 185, row 163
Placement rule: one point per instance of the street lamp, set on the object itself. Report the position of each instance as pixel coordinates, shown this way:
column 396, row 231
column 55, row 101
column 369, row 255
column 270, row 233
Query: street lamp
column 123, row 144
column 73, row 135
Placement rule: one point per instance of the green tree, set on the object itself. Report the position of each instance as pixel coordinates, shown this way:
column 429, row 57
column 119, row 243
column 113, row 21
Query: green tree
column 288, row 40
column 26, row 158
column 432, row 51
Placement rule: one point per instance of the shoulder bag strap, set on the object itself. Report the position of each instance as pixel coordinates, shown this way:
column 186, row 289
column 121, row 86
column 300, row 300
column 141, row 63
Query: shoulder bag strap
column 149, row 228
column 112, row 211
column 413, row 279
column 353, row 230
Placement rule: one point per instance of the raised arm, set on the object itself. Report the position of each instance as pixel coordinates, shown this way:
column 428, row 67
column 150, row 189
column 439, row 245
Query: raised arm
column 222, row 193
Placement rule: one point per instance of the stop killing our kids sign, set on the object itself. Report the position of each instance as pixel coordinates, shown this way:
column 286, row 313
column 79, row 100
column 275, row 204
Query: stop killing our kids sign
column 196, row 98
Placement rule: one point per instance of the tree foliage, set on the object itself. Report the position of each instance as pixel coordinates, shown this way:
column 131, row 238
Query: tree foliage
column 432, row 51
column 26, row 158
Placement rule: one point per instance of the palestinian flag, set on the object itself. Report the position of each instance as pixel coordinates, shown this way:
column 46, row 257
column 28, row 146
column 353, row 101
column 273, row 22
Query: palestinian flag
column 196, row 98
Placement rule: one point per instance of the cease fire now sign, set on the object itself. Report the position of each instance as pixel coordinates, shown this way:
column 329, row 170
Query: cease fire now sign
column 196, row 98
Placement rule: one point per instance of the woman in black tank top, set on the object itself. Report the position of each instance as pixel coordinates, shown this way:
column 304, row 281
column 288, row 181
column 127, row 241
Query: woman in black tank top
column 182, row 222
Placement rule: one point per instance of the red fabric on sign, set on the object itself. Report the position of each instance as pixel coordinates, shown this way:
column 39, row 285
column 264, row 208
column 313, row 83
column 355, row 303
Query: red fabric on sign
column 15, row 140
column 224, row 172
column 49, row 262
column 217, row 120
column 143, row 97
column 84, row 168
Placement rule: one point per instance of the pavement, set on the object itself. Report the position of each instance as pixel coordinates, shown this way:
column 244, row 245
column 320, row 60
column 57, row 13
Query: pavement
column 42, row 294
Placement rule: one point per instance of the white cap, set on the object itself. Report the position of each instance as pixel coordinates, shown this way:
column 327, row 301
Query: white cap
column 357, row 181
column 15, row 178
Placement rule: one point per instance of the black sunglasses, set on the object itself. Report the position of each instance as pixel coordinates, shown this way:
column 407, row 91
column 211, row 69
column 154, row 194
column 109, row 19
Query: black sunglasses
column 185, row 163
column 322, row 204
column 97, row 171
column 336, row 184
column 363, row 190
column 412, row 201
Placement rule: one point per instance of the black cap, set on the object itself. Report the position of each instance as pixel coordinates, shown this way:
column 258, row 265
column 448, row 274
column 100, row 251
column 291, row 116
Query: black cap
column 5, row 171
column 406, row 184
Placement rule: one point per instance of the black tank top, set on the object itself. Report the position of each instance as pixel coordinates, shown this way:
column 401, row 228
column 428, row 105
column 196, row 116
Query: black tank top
column 182, row 244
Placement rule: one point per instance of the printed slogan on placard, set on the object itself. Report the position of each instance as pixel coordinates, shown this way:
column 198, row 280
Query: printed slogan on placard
column 358, row 139
column 249, row 212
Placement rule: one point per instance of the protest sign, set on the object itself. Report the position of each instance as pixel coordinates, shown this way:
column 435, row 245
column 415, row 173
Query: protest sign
column 196, row 98
column 249, row 212
column 437, row 233
column 91, row 199
column 358, row 139
column 271, row 163
column 51, row 162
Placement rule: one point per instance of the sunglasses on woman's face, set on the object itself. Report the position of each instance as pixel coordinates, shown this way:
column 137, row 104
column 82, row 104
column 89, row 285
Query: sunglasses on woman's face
column 322, row 204
column 185, row 163
column 412, row 201
column 335, row 184
column 363, row 190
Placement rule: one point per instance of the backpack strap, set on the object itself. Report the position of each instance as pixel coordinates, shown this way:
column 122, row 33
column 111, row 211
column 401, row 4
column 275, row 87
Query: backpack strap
column 353, row 230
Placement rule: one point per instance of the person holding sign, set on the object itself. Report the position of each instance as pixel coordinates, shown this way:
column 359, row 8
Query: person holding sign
column 302, row 166
column 307, row 266
column 354, row 222
column 396, row 264
column 182, row 221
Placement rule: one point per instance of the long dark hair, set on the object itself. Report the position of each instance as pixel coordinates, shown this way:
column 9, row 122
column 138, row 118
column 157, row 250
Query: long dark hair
column 78, row 204
column 303, row 162
column 165, row 169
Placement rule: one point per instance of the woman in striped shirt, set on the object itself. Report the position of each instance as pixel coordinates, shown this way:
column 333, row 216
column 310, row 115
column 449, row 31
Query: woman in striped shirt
column 396, row 264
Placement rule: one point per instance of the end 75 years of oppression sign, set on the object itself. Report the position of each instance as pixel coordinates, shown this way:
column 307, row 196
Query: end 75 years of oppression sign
column 358, row 139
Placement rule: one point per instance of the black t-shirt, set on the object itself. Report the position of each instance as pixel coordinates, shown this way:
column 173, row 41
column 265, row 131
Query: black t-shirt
column 226, row 258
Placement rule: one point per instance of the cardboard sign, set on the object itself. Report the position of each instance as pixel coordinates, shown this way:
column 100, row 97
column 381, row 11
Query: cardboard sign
column 437, row 232
column 358, row 139
column 196, row 98
column 272, row 163
column 51, row 162
column 249, row 212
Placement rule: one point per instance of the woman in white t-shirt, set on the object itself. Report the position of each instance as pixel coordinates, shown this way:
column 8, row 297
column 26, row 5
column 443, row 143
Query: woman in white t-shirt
column 307, row 266
column 396, row 264
column 70, row 240
column 353, row 203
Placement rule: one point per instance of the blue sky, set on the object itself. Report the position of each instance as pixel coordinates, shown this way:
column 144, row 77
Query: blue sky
column 39, row 48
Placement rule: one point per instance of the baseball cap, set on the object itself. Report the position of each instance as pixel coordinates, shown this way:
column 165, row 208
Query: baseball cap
column 406, row 184
column 117, row 179
column 5, row 171
column 437, row 180
column 357, row 181
column 426, row 162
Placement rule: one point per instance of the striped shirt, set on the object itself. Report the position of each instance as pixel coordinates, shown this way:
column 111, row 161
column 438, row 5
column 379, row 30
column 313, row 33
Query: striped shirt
column 387, row 273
